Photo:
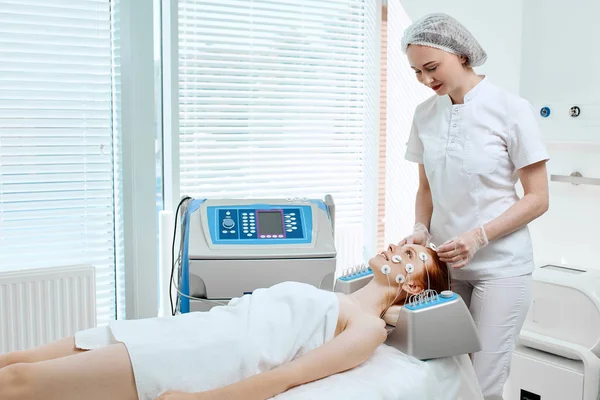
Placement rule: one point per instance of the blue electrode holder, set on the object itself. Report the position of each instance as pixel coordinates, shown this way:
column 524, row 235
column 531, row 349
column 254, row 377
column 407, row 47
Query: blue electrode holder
column 442, row 298
column 357, row 275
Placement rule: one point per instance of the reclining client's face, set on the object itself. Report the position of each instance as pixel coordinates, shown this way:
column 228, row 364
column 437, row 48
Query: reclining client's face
column 415, row 263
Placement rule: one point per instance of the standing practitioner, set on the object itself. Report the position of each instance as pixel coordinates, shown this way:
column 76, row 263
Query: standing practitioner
column 473, row 141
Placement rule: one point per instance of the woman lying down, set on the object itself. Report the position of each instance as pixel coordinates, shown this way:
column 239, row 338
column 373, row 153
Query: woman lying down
column 255, row 347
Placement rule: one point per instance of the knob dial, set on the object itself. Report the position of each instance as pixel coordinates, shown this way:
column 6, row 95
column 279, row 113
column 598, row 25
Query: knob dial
column 228, row 223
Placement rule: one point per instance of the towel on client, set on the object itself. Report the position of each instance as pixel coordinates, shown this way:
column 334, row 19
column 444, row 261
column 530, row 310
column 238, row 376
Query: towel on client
column 204, row 350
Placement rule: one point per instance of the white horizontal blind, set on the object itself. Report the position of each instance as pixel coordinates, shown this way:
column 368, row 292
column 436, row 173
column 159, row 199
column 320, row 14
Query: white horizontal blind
column 276, row 99
column 404, row 93
column 56, row 145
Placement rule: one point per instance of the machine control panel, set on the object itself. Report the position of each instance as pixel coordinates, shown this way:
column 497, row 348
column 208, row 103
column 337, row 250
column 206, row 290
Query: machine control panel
column 260, row 224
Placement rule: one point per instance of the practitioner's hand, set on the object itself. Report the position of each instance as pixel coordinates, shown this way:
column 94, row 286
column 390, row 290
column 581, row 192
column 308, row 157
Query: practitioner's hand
column 419, row 236
column 459, row 251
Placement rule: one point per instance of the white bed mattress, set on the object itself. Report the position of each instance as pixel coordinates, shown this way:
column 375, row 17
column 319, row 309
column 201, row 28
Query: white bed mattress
column 392, row 375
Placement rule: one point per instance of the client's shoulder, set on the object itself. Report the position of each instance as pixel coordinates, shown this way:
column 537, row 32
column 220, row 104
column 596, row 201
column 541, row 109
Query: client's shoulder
column 353, row 313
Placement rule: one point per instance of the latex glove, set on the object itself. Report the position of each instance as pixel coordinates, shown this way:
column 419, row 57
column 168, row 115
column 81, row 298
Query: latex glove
column 459, row 251
column 420, row 236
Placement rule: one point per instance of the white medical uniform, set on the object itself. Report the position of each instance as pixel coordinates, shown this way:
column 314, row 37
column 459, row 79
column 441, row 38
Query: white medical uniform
column 471, row 154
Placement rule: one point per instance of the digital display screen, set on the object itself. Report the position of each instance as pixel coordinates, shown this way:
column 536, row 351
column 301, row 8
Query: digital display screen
column 270, row 222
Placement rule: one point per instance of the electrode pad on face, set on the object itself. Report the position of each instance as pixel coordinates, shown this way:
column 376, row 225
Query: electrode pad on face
column 396, row 259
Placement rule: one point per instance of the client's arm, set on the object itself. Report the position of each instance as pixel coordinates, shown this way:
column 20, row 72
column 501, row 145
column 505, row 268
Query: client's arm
column 347, row 350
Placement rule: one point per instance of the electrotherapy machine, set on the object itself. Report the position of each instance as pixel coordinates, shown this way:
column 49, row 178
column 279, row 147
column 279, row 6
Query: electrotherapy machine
column 233, row 246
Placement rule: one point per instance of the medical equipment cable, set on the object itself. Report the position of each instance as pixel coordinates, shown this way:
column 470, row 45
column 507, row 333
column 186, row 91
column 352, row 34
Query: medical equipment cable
column 171, row 282
column 428, row 294
column 217, row 302
column 184, row 211
column 387, row 275
column 398, row 292
column 183, row 205
column 386, row 272
column 434, row 248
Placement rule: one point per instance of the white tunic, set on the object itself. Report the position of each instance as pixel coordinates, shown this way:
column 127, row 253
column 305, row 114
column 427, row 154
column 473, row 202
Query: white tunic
column 471, row 153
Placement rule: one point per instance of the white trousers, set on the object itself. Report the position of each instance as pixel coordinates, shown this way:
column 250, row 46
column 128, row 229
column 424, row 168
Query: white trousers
column 499, row 308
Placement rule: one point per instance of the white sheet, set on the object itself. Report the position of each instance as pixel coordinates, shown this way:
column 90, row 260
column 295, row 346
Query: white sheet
column 392, row 375
column 200, row 351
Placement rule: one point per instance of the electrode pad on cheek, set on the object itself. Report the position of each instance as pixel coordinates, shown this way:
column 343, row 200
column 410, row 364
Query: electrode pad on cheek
column 385, row 269
column 400, row 279
column 396, row 259
column 409, row 268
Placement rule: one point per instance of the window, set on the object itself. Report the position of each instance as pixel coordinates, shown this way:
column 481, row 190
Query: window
column 280, row 99
column 57, row 174
column 404, row 93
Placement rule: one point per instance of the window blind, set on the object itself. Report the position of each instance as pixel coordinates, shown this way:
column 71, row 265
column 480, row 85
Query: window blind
column 404, row 93
column 279, row 99
column 56, row 139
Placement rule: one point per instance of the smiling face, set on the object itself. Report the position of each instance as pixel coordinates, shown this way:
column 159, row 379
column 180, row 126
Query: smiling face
column 441, row 71
column 397, row 258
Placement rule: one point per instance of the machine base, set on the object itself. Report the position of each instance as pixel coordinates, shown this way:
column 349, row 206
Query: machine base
column 208, row 280
column 537, row 375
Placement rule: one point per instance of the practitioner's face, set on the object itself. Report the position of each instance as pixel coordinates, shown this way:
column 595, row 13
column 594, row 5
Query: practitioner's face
column 397, row 258
column 437, row 69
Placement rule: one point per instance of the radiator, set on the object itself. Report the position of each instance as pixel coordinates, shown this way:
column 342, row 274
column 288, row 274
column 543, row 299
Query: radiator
column 38, row 306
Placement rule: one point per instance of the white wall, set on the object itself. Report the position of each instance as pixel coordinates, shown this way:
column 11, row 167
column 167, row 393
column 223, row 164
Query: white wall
column 560, row 59
column 497, row 27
